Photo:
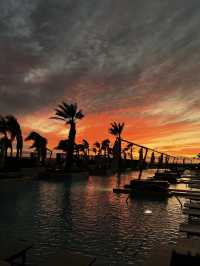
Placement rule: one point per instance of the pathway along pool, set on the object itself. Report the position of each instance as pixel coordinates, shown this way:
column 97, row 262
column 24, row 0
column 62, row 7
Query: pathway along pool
column 86, row 215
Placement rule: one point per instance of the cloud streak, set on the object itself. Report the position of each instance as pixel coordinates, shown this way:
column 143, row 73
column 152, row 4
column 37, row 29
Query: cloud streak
column 107, row 55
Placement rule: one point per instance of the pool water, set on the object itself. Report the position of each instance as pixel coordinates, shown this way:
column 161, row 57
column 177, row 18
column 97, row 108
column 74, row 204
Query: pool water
column 85, row 215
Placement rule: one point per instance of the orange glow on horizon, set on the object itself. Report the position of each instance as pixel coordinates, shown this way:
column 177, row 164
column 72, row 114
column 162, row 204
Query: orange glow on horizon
column 175, row 138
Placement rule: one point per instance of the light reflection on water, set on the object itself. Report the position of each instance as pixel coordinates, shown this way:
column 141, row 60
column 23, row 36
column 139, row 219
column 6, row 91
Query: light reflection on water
column 87, row 216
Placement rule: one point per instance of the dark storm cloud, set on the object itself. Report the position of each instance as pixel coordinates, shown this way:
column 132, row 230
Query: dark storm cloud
column 103, row 53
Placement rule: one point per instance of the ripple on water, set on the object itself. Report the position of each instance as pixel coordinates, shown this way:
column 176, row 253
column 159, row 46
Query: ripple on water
column 86, row 216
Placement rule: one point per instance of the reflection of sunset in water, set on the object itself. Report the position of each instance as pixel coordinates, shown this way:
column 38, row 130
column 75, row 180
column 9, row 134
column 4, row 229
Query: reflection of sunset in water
column 86, row 215
column 50, row 197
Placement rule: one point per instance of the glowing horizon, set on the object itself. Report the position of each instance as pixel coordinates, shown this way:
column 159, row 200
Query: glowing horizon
column 172, row 138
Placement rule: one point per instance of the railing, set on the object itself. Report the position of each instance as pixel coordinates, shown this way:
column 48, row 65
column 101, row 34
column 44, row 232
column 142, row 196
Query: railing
column 140, row 152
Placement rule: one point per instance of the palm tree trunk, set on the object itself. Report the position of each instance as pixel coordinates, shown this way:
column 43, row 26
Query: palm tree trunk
column 6, row 146
column 11, row 150
column 19, row 146
column 43, row 155
column 120, row 151
column 131, row 153
column 70, row 151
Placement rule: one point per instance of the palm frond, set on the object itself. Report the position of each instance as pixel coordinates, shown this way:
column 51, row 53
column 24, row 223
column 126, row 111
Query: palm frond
column 57, row 118
column 67, row 112
column 116, row 128
column 79, row 115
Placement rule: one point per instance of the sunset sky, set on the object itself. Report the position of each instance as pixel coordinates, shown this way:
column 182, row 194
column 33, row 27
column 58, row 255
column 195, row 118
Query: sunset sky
column 133, row 61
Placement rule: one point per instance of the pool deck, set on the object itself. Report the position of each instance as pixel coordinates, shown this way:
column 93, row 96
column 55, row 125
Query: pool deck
column 186, row 251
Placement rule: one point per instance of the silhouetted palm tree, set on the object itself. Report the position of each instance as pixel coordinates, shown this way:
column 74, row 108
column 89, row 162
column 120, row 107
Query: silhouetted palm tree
column 105, row 144
column 130, row 147
column 86, row 146
column 80, row 149
column 40, row 145
column 116, row 130
column 94, row 150
column 124, row 151
column 15, row 132
column 97, row 145
column 63, row 145
column 3, row 126
column 4, row 141
column 69, row 114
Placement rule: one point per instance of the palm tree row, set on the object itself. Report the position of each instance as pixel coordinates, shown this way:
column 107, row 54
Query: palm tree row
column 69, row 114
column 10, row 131
column 103, row 147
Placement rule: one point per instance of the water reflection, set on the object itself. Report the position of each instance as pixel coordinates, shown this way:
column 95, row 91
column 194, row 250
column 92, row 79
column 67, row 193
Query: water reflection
column 87, row 216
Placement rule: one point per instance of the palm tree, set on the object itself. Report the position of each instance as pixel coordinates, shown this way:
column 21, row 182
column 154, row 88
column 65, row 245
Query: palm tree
column 79, row 148
column 63, row 145
column 3, row 126
column 40, row 145
column 94, row 150
column 116, row 130
column 97, row 146
column 4, row 141
column 15, row 132
column 86, row 147
column 130, row 147
column 69, row 114
column 105, row 144
column 124, row 151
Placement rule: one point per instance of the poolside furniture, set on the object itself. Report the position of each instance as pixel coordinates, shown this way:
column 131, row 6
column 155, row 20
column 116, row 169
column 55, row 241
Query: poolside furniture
column 194, row 185
column 11, row 253
column 191, row 229
column 193, row 198
column 151, row 188
column 191, row 212
column 169, row 176
column 70, row 258
column 192, row 205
